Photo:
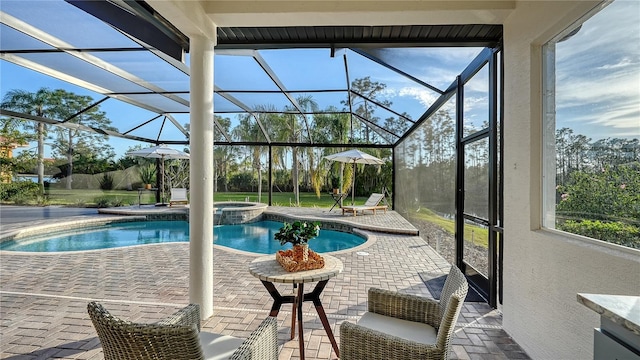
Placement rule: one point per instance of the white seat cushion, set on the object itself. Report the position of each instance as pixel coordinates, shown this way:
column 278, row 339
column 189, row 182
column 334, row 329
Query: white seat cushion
column 408, row 330
column 218, row 347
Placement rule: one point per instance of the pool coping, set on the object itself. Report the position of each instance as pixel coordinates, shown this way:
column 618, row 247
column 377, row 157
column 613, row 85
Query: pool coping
column 222, row 205
column 76, row 223
column 167, row 213
column 346, row 222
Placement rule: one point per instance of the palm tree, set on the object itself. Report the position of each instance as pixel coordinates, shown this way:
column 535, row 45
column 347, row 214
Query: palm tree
column 10, row 135
column 289, row 128
column 334, row 128
column 42, row 103
column 223, row 155
column 249, row 130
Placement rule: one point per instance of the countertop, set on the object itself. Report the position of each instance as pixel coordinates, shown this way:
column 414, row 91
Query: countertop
column 621, row 309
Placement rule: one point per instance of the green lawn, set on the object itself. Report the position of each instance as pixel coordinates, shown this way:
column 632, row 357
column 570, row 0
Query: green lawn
column 287, row 199
column 86, row 197
column 89, row 197
column 479, row 234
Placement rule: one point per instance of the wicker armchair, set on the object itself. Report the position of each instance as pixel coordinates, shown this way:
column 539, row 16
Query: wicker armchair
column 404, row 326
column 179, row 337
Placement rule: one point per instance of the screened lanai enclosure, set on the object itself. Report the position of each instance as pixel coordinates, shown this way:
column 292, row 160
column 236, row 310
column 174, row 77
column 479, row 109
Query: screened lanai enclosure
column 104, row 78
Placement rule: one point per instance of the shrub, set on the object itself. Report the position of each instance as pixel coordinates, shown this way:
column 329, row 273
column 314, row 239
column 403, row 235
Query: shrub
column 20, row 199
column 19, row 192
column 115, row 202
column 613, row 191
column 614, row 232
column 243, row 181
column 107, row 201
column 106, row 182
column 42, row 200
column 103, row 201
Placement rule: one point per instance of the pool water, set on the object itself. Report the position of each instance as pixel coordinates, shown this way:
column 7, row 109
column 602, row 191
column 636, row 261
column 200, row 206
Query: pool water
column 255, row 237
column 259, row 237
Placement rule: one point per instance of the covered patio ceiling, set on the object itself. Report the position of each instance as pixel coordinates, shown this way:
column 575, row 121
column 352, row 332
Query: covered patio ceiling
column 144, row 89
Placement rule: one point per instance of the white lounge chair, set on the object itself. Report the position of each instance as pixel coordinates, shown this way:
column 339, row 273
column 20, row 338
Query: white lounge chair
column 371, row 204
column 178, row 196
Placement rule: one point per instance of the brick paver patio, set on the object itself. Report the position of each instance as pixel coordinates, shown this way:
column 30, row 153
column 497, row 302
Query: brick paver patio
column 43, row 297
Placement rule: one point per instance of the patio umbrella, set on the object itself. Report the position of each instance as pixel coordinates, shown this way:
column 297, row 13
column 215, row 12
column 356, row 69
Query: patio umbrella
column 161, row 152
column 354, row 156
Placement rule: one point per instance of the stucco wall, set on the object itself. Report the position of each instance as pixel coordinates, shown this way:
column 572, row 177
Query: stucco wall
column 543, row 270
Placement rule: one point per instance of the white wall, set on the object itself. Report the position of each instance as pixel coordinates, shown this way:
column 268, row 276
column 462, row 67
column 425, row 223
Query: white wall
column 544, row 270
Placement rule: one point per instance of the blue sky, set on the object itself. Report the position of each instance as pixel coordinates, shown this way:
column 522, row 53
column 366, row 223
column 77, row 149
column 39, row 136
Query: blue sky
column 598, row 79
column 598, row 75
column 313, row 70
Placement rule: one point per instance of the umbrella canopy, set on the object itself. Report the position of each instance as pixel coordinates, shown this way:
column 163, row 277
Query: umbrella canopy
column 160, row 152
column 354, row 156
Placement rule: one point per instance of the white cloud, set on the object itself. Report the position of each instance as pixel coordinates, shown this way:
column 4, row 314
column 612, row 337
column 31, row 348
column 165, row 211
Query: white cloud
column 616, row 24
column 473, row 104
column 612, row 88
column 426, row 98
column 624, row 62
column 598, row 74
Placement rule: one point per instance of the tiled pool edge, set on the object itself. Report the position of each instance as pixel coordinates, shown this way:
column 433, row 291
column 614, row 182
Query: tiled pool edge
column 336, row 224
column 236, row 212
column 267, row 213
column 76, row 223
column 150, row 214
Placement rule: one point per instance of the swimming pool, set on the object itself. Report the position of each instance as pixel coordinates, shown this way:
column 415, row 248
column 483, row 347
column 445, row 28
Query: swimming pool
column 253, row 237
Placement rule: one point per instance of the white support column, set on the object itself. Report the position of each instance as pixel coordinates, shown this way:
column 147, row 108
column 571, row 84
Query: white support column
column 201, row 172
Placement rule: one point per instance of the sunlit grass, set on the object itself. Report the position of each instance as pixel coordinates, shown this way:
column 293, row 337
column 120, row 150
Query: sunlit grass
column 87, row 197
column 307, row 199
column 480, row 235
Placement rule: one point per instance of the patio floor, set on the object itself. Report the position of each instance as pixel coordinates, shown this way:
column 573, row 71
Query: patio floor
column 43, row 297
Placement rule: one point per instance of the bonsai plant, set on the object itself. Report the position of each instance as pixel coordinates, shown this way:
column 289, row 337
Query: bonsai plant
column 298, row 234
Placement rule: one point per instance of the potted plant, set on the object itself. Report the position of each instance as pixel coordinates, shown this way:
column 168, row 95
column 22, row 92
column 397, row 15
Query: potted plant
column 299, row 257
column 147, row 173
column 336, row 184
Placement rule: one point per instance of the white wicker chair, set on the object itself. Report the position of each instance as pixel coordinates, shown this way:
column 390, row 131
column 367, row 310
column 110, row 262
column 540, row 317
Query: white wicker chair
column 179, row 338
column 403, row 326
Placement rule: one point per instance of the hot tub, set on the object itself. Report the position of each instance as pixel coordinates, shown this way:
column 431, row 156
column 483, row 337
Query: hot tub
column 237, row 212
